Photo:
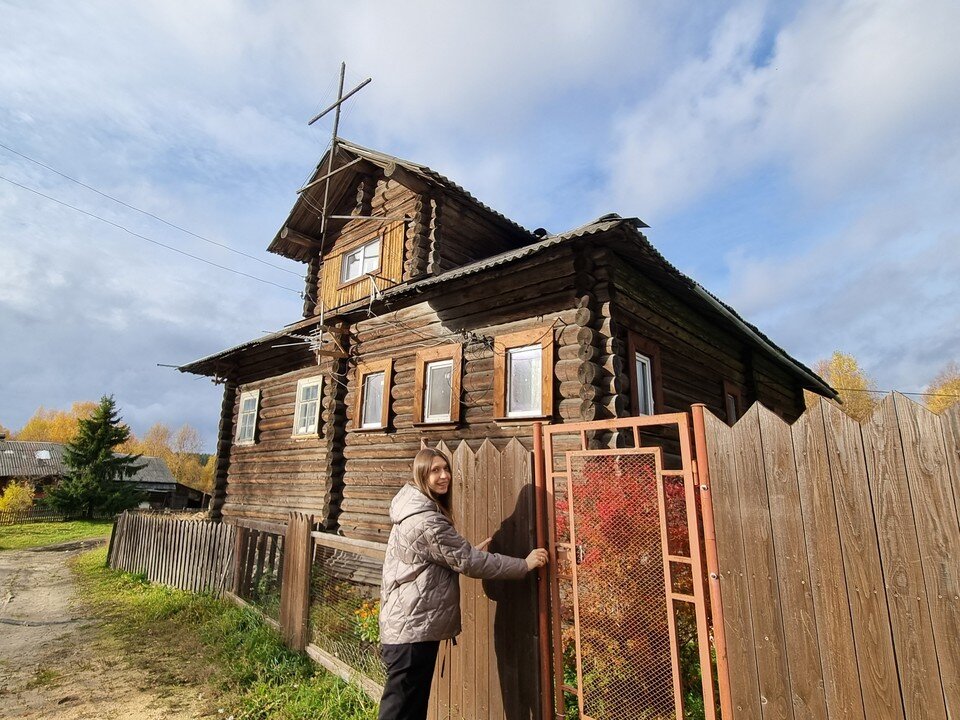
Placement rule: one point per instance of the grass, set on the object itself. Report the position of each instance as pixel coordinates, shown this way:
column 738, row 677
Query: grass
column 17, row 537
column 181, row 637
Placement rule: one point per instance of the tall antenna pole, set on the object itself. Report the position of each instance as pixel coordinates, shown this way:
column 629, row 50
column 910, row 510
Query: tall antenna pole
column 333, row 151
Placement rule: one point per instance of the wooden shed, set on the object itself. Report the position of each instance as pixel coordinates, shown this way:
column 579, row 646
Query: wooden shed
column 429, row 315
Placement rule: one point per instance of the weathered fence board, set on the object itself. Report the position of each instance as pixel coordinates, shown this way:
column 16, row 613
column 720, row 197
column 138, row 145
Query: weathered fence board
column 194, row 555
column 837, row 649
column 492, row 672
column 839, row 547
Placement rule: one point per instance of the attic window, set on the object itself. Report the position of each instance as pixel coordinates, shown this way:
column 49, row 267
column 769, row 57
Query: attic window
column 42, row 454
column 360, row 261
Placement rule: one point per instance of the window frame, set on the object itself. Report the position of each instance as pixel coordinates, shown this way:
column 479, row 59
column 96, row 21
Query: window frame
column 734, row 391
column 301, row 383
column 363, row 370
column 252, row 440
column 540, row 335
column 379, row 238
column 638, row 345
column 452, row 353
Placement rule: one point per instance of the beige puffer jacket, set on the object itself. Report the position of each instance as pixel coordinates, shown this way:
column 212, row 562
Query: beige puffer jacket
column 420, row 593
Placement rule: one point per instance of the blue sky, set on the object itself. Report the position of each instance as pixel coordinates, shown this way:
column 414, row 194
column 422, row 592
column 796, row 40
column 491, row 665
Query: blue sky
column 802, row 160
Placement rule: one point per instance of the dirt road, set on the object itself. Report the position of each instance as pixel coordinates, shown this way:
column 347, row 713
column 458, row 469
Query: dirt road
column 55, row 663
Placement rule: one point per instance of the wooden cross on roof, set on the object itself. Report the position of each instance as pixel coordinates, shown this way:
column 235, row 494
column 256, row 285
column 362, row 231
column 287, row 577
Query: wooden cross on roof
column 333, row 141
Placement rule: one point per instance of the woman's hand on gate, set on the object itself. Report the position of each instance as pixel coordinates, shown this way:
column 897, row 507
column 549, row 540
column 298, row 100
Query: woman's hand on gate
column 537, row 559
column 485, row 544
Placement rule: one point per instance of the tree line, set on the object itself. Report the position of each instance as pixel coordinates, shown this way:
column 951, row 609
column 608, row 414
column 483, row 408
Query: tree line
column 859, row 394
column 180, row 449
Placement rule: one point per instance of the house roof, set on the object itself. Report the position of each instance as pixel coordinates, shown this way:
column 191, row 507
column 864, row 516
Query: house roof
column 26, row 459
column 632, row 227
column 30, row 459
column 636, row 242
column 304, row 216
column 154, row 476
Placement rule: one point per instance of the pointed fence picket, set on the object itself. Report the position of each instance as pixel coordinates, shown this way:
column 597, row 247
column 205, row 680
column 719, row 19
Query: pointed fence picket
column 839, row 559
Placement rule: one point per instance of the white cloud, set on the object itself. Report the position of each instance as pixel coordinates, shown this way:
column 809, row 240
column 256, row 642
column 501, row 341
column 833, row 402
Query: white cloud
column 851, row 89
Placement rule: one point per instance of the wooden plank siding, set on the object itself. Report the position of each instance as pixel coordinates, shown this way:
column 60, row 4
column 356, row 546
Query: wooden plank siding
column 390, row 272
column 838, row 546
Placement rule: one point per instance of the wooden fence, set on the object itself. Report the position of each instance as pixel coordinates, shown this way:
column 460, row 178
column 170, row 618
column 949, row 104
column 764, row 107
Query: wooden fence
column 839, row 559
column 492, row 673
column 194, row 555
column 30, row 515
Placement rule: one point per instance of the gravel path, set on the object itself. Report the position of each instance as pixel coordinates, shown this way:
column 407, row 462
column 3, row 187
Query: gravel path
column 55, row 663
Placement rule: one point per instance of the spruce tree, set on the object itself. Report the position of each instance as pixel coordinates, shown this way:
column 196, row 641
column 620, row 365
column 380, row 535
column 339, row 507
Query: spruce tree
column 94, row 483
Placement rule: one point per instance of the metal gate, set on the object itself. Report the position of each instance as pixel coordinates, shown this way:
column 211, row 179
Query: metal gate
column 629, row 625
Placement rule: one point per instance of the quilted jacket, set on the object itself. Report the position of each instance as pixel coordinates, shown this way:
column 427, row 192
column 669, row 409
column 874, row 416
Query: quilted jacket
column 420, row 593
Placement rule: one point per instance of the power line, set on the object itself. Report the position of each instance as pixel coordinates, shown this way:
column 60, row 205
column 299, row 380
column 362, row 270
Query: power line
column 147, row 213
column 902, row 392
column 144, row 237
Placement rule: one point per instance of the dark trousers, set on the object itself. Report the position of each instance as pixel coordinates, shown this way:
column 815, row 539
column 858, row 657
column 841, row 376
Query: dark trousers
column 409, row 675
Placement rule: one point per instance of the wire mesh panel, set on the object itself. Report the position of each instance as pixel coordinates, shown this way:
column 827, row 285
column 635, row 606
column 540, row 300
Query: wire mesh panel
column 630, row 626
column 621, row 625
column 345, row 608
column 260, row 569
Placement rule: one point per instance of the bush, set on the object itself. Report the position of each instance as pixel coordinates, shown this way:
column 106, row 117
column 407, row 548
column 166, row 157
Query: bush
column 17, row 497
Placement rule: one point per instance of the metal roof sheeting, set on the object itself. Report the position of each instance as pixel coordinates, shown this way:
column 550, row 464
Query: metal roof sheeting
column 26, row 459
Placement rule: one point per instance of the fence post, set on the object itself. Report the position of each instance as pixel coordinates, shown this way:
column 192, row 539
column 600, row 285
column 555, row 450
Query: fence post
column 239, row 554
column 295, row 582
column 113, row 536
column 710, row 548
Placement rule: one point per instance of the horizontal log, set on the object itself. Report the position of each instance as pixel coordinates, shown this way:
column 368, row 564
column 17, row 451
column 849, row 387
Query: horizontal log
column 568, row 370
column 571, row 389
column 589, row 373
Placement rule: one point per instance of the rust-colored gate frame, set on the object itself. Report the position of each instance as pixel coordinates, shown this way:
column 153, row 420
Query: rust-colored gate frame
column 692, row 456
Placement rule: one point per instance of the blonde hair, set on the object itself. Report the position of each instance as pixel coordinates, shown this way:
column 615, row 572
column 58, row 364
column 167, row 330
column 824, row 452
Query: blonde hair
column 421, row 472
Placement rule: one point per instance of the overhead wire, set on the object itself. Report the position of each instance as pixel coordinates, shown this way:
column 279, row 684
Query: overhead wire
column 146, row 212
column 148, row 239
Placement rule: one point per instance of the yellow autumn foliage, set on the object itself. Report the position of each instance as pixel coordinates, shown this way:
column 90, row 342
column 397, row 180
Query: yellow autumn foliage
column 55, row 425
column 844, row 374
column 944, row 391
column 16, row 497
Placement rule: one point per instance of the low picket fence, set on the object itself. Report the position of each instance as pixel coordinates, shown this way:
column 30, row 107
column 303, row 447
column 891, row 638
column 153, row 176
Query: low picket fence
column 189, row 554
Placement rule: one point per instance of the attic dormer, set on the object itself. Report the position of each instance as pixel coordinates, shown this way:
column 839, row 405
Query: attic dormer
column 389, row 221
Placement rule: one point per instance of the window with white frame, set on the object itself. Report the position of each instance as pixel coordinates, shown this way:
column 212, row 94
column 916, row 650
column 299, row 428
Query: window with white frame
column 437, row 391
column 372, row 413
column 358, row 262
column 643, row 372
column 371, row 409
column 247, row 417
column 524, row 382
column 306, row 414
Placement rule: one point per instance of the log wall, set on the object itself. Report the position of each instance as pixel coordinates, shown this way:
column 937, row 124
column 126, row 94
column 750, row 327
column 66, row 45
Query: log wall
column 697, row 353
column 582, row 293
column 280, row 473
column 376, row 463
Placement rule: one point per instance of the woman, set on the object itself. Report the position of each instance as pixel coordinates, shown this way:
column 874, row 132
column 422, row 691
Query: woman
column 420, row 594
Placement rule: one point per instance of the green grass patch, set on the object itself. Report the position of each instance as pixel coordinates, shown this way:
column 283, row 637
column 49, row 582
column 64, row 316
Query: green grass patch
column 213, row 645
column 17, row 537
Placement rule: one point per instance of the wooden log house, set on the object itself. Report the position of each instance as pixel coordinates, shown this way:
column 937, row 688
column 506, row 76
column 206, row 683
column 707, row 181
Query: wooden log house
column 435, row 317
